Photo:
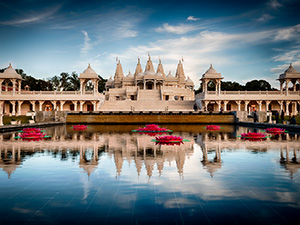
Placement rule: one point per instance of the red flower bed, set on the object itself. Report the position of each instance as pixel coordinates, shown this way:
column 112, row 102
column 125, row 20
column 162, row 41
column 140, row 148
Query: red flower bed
column 253, row 135
column 169, row 138
column 151, row 127
column 212, row 127
column 31, row 130
column 79, row 127
column 32, row 135
column 275, row 130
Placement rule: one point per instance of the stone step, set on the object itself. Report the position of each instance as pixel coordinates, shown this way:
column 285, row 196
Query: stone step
column 150, row 105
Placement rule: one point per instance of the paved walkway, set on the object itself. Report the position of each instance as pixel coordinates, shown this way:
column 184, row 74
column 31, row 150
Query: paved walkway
column 288, row 127
column 6, row 128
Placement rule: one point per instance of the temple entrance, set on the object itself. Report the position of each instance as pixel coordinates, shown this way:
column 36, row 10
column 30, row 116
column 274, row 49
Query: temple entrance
column 149, row 86
column 90, row 108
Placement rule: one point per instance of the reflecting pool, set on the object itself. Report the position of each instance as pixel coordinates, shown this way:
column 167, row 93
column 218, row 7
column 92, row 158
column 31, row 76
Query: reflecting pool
column 110, row 175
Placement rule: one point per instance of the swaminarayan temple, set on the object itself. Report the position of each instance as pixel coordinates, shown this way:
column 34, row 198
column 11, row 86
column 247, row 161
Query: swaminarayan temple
column 148, row 90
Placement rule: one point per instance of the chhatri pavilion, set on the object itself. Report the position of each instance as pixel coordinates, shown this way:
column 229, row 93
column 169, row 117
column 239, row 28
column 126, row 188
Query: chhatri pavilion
column 148, row 90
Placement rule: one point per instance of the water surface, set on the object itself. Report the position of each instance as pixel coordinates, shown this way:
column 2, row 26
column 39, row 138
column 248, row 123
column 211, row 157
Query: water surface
column 109, row 175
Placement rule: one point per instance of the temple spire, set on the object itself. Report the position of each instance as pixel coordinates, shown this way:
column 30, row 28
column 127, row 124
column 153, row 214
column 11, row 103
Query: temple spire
column 160, row 69
column 138, row 69
column 149, row 66
column 119, row 71
column 179, row 72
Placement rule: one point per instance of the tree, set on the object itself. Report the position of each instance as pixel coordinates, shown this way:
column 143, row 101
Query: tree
column 231, row 86
column 258, row 85
column 55, row 83
column 64, row 84
column 74, row 82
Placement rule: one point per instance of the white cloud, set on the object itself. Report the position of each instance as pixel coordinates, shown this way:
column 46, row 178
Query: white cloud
column 124, row 30
column 265, row 18
column 179, row 29
column 287, row 57
column 288, row 33
column 274, row 4
column 192, row 18
column 32, row 18
column 86, row 43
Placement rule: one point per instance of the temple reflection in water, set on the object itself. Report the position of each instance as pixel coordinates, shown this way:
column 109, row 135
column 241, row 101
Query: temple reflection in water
column 88, row 146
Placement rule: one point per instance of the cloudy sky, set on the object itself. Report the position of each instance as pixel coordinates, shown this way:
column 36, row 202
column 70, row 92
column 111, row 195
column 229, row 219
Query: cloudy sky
column 244, row 40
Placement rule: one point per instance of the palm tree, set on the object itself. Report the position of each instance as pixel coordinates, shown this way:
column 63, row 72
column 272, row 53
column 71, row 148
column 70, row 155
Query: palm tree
column 64, row 84
column 74, row 82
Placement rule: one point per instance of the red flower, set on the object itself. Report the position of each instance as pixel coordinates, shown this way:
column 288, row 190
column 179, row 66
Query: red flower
column 33, row 135
column 253, row 135
column 169, row 138
column 275, row 130
column 151, row 127
column 212, row 127
column 79, row 127
column 31, row 129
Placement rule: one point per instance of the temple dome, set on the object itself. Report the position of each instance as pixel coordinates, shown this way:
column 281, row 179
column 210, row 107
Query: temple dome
column 189, row 81
column 169, row 74
column 291, row 69
column 89, row 73
column 129, row 75
column 211, row 70
column 10, row 73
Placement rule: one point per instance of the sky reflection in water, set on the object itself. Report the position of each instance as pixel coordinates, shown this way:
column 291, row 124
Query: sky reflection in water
column 109, row 175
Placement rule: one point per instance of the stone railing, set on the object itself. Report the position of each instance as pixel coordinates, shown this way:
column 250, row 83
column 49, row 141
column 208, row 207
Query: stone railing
column 47, row 93
column 253, row 93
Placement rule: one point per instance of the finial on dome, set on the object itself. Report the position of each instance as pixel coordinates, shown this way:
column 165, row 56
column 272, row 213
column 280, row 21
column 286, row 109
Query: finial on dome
column 159, row 60
column 9, row 64
column 290, row 64
column 89, row 65
column 149, row 55
column 211, row 65
column 139, row 60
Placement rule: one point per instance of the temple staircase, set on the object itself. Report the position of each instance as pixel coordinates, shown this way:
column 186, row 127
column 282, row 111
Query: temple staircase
column 149, row 95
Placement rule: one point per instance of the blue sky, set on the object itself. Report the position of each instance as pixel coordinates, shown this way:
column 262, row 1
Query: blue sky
column 244, row 40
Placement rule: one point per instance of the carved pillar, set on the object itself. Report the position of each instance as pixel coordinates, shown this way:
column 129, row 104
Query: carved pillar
column 239, row 105
column 267, row 105
column 13, row 107
column 81, row 87
column 219, row 105
column 287, row 103
column 54, row 103
column 62, row 105
column 219, row 87
column 19, row 88
column 287, row 86
column 246, row 105
column 75, row 105
column 259, row 105
column 1, row 117
column 205, row 105
column 225, row 105
column 81, row 105
column 294, row 85
column 33, row 105
column 1, row 81
column 41, row 105
column 19, row 107
column 281, row 105
column 94, row 105
column 13, row 81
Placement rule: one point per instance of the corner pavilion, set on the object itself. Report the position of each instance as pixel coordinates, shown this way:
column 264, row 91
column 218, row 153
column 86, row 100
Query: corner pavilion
column 148, row 91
